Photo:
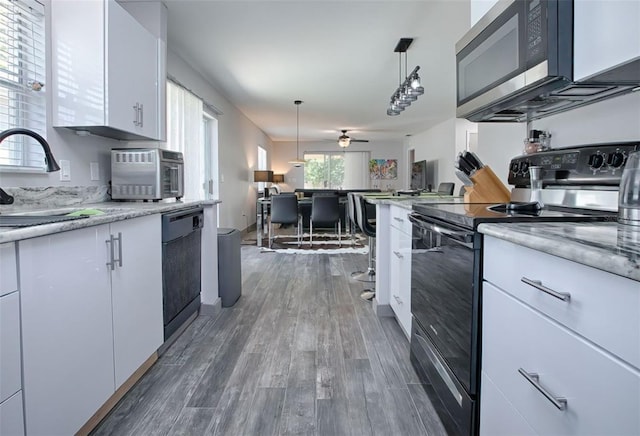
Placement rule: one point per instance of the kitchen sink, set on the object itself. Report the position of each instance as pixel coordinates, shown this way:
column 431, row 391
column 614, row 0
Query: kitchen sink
column 35, row 220
column 49, row 216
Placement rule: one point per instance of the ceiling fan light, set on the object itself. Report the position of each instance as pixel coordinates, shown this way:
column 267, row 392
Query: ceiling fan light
column 344, row 142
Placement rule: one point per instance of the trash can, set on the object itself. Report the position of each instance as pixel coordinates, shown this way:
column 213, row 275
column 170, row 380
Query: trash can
column 229, row 273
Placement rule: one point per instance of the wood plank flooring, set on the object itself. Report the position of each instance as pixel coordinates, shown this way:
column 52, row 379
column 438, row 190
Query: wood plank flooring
column 300, row 353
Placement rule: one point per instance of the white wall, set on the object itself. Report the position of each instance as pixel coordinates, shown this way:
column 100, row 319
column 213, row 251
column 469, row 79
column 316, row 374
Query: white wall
column 283, row 152
column 612, row 120
column 441, row 144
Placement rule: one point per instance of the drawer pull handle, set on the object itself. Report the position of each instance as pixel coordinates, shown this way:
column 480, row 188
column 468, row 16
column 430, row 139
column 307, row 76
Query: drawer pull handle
column 400, row 220
column 398, row 299
column 564, row 296
column 560, row 403
column 398, row 255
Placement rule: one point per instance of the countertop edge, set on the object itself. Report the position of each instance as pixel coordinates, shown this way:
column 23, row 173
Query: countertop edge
column 129, row 210
column 583, row 253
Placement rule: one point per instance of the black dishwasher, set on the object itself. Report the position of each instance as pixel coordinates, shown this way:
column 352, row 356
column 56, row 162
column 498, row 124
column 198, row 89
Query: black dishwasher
column 181, row 256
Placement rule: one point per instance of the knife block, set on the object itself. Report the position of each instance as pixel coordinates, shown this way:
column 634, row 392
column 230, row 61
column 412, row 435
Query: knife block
column 487, row 188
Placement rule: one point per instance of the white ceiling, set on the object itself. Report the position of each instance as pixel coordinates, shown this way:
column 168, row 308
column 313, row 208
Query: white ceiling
column 336, row 56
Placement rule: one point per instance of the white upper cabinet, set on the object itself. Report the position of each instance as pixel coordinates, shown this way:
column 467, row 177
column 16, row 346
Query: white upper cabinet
column 106, row 71
column 606, row 35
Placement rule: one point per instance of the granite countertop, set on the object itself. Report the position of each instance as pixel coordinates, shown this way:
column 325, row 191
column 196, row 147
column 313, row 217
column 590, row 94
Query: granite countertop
column 113, row 211
column 607, row 246
column 407, row 201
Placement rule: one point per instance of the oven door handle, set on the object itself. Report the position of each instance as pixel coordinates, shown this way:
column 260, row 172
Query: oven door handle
column 466, row 237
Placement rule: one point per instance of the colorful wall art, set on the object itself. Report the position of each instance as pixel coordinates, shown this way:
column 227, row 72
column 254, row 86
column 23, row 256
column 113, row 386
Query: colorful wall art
column 383, row 169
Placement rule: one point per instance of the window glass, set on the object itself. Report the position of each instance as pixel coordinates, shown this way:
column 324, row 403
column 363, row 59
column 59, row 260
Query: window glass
column 336, row 170
column 22, row 82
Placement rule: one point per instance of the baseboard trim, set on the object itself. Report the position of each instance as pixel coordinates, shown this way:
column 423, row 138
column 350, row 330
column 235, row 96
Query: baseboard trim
column 211, row 309
column 117, row 396
column 382, row 310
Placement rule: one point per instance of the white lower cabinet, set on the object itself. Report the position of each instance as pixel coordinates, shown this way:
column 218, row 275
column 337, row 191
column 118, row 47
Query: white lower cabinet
column 11, row 412
column 67, row 334
column 574, row 387
column 86, row 327
column 498, row 417
column 10, row 379
column 400, row 268
column 137, row 295
column 11, row 417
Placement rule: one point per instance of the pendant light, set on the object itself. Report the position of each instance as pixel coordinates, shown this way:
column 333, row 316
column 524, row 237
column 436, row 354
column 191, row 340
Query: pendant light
column 409, row 90
column 297, row 162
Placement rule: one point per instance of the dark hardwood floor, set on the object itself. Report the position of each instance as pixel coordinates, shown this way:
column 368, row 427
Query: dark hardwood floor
column 300, row 353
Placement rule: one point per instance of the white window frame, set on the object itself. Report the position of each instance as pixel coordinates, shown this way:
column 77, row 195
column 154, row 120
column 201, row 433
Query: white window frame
column 22, row 83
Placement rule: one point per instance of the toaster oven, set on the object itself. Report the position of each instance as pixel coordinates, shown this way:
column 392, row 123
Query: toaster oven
column 146, row 174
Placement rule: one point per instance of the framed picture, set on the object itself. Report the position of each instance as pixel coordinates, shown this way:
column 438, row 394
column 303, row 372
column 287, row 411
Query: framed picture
column 383, row 169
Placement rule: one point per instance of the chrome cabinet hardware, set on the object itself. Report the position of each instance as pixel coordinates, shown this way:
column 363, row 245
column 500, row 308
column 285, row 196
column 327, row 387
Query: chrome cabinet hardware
column 138, row 110
column 136, row 114
column 564, row 296
column 400, row 220
column 112, row 251
column 119, row 259
column 534, row 379
column 398, row 299
column 398, row 255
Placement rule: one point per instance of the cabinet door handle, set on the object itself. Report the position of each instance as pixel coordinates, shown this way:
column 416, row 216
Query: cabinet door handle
column 111, row 264
column 141, row 111
column 532, row 377
column 564, row 296
column 400, row 220
column 398, row 299
column 398, row 255
column 119, row 239
column 136, row 114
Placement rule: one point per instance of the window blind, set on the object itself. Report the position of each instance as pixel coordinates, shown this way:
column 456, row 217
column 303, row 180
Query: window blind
column 22, row 81
column 184, row 133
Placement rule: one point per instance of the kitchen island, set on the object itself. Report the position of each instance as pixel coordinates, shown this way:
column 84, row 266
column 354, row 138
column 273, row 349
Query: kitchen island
column 393, row 253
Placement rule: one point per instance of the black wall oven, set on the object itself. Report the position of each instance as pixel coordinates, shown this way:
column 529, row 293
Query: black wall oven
column 445, row 272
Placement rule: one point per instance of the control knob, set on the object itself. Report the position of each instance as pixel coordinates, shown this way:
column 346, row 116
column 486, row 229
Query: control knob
column 514, row 167
column 616, row 159
column 596, row 161
column 524, row 167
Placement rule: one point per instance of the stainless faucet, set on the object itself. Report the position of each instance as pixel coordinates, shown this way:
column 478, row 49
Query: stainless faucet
column 49, row 160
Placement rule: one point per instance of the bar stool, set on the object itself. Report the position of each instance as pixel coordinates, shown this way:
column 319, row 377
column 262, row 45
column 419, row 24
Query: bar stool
column 351, row 216
column 364, row 220
column 353, row 224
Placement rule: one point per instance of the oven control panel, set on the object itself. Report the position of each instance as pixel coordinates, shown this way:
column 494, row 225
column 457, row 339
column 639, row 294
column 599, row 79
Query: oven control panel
column 599, row 164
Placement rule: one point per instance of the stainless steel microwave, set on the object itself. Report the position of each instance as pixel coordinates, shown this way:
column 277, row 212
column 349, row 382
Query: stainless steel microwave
column 146, row 174
column 516, row 64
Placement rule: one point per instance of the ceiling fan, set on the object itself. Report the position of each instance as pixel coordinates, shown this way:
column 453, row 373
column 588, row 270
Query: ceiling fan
column 344, row 140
